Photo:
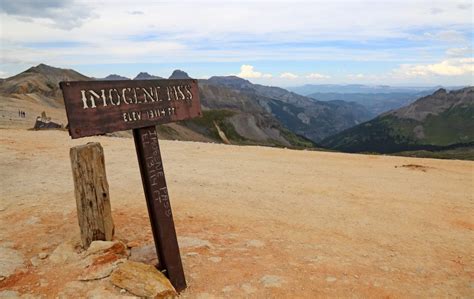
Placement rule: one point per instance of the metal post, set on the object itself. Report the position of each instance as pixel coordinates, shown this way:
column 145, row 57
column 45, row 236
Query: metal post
column 158, row 204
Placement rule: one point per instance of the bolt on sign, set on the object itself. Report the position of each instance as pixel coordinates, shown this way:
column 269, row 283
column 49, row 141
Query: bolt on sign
column 99, row 107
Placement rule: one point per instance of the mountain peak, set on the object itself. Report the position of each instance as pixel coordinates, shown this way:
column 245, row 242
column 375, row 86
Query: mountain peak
column 42, row 79
column 146, row 76
column 115, row 77
column 179, row 74
column 230, row 81
column 44, row 69
column 440, row 91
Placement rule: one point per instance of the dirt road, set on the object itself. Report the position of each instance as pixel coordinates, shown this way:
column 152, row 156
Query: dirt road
column 253, row 222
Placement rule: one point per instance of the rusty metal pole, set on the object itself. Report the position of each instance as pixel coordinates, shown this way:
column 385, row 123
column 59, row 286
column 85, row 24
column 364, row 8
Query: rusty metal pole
column 158, row 204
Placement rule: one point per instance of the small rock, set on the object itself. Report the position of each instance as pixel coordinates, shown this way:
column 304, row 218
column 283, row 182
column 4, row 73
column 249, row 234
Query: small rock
column 2, row 278
column 227, row 289
column 71, row 289
column 43, row 255
column 185, row 242
column 205, row 296
column 100, row 293
column 356, row 276
column 43, row 282
column 132, row 244
column 142, row 280
column 255, row 243
column 64, row 253
column 271, row 281
column 248, row 288
column 144, row 254
column 9, row 294
column 106, row 246
column 215, row 259
column 192, row 254
column 32, row 220
column 35, row 261
column 331, row 279
column 10, row 260
column 99, row 271
column 314, row 259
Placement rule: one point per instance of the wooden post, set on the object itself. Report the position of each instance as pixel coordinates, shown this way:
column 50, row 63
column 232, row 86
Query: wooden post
column 92, row 193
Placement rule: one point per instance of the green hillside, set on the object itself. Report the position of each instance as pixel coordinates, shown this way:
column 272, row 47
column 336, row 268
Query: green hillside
column 437, row 122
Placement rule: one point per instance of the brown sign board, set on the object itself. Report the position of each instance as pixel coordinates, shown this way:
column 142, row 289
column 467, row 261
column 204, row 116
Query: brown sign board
column 98, row 107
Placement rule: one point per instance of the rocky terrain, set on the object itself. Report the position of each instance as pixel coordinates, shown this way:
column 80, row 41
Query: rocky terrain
column 252, row 222
column 304, row 116
column 236, row 117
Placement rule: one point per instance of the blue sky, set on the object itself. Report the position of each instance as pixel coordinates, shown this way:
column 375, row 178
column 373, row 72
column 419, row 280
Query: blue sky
column 283, row 43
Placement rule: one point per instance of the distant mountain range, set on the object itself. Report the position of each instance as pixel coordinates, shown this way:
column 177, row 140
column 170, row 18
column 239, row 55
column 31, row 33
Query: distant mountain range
column 443, row 120
column 312, row 119
column 247, row 113
column 359, row 88
column 377, row 99
column 177, row 74
column 375, row 103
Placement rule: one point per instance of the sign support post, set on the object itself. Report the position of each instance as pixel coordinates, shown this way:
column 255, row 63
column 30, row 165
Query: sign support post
column 99, row 107
column 158, row 204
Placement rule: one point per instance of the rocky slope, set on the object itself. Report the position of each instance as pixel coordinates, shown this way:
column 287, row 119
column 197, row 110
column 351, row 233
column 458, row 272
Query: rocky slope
column 229, row 116
column 443, row 120
column 305, row 116
column 41, row 80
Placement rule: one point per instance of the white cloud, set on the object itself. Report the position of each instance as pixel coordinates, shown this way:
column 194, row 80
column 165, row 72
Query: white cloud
column 356, row 76
column 446, row 36
column 247, row 71
column 288, row 75
column 459, row 52
column 317, row 76
column 449, row 67
column 111, row 32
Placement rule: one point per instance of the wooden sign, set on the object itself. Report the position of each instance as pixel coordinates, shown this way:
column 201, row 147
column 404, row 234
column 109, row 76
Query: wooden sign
column 98, row 107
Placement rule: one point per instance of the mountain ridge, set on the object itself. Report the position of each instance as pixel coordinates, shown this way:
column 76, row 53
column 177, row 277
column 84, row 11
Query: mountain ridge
column 443, row 119
column 233, row 114
column 305, row 116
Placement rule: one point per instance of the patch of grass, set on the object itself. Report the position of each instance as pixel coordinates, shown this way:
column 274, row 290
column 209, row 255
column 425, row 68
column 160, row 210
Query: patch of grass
column 452, row 126
column 166, row 130
column 296, row 140
column 205, row 125
column 463, row 153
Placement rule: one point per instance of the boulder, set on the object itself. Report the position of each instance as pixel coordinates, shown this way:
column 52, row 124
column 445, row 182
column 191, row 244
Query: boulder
column 142, row 280
column 65, row 253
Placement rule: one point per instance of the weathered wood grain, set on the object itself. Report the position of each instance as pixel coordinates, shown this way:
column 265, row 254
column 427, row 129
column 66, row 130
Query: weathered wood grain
column 92, row 193
column 99, row 107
